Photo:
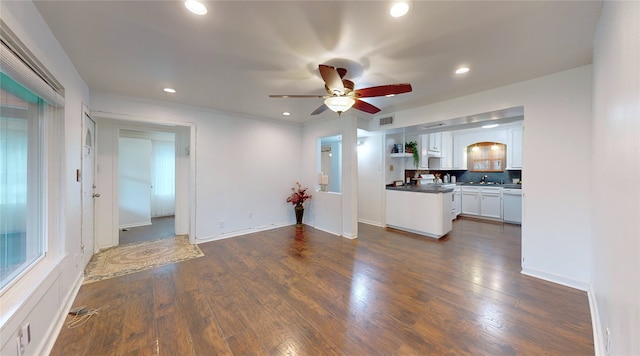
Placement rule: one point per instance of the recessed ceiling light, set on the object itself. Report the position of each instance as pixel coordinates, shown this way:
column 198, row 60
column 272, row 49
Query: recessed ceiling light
column 390, row 95
column 399, row 9
column 286, row 113
column 490, row 126
column 169, row 90
column 462, row 70
column 196, row 7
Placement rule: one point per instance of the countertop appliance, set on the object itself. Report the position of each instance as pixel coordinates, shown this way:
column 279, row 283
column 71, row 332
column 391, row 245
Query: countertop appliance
column 512, row 205
column 427, row 178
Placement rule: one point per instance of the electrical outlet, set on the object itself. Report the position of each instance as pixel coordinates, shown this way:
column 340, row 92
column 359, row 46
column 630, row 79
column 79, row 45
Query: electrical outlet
column 250, row 214
column 391, row 168
column 25, row 336
column 607, row 341
column 221, row 224
column 23, row 339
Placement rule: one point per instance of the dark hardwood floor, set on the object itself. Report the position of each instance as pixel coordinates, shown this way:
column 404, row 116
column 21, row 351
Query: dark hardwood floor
column 306, row 292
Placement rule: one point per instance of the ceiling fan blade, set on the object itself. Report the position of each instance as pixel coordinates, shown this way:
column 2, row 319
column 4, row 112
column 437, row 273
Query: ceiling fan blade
column 332, row 79
column 382, row 90
column 341, row 72
column 320, row 109
column 297, row 96
column 366, row 107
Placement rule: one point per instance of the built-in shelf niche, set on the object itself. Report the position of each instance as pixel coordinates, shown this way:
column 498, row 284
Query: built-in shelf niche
column 487, row 157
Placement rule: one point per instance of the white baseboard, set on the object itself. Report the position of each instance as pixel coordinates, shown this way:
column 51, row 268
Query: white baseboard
column 555, row 279
column 349, row 236
column 54, row 329
column 230, row 234
column 370, row 222
column 327, row 231
column 598, row 342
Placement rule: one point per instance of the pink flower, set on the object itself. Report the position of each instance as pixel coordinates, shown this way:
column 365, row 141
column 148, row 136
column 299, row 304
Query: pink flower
column 298, row 196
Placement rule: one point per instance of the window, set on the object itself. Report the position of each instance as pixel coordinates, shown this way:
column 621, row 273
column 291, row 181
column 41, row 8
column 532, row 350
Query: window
column 31, row 171
column 22, row 239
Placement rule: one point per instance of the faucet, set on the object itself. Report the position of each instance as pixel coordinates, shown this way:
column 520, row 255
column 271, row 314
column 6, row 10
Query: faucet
column 484, row 179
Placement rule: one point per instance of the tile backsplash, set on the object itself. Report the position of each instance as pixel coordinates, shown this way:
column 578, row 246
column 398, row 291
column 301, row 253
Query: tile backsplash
column 468, row 176
column 500, row 177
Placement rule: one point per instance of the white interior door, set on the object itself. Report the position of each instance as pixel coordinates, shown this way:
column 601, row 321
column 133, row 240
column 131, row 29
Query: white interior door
column 88, row 185
column 134, row 186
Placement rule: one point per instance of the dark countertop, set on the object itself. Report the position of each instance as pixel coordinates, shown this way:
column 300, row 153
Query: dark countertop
column 497, row 185
column 428, row 188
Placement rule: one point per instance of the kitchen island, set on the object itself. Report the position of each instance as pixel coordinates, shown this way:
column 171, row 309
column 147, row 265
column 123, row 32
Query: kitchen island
column 420, row 209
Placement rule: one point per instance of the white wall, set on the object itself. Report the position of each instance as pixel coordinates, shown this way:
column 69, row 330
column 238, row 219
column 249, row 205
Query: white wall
column 322, row 213
column 40, row 299
column 371, row 179
column 615, row 220
column 557, row 141
column 245, row 168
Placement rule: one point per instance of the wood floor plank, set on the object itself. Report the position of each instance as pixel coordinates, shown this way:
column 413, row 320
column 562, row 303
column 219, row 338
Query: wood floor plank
column 173, row 336
column 302, row 291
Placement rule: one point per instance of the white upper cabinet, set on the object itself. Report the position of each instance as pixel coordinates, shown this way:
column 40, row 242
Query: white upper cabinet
column 514, row 148
column 423, row 146
column 435, row 144
column 459, row 148
column 447, row 150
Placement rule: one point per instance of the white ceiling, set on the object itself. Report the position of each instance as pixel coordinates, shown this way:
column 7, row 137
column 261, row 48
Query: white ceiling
column 240, row 52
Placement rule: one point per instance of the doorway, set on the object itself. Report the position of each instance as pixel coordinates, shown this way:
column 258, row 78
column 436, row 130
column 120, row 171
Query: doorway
column 146, row 185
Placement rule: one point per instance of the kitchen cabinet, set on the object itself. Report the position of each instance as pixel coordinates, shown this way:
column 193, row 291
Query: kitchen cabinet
column 459, row 153
column 435, row 144
column 447, row 151
column 470, row 204
column 514, row 148
column 482, row 201
column 423, row 146
column 487, row 157
column 491, row 202
column 427, row 214
column 457, row 202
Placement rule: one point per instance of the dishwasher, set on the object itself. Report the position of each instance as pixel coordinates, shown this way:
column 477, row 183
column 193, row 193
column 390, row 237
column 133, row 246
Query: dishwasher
column 512, row 205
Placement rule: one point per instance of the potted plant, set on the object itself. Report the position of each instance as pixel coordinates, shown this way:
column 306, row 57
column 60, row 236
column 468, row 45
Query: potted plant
column 298, row 197
column 412, row 147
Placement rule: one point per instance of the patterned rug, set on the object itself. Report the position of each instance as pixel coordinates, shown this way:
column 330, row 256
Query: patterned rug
column 126, row 259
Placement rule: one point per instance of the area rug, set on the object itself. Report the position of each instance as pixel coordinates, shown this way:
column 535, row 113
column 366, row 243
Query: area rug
column 137, row 257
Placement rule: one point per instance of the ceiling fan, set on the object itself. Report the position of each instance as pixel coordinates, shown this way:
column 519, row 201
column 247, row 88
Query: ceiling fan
column 341, row 95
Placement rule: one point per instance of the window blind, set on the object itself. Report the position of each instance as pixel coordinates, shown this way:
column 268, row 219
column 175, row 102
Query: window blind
column 16, row 66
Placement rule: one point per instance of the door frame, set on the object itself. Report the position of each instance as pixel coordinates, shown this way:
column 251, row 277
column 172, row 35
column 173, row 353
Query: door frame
column 80, row 177
column 185, row 212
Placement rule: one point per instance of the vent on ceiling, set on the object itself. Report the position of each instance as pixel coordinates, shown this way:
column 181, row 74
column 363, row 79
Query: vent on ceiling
column 386, row 120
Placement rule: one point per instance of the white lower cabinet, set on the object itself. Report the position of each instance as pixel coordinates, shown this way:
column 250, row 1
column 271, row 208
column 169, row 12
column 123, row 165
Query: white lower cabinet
column 470, row 204
column 457, row 202
column 426, row 214
column 491, row 202
column 481, row 201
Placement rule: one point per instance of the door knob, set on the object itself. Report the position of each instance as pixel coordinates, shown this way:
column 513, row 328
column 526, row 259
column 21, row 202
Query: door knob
column 96, row 195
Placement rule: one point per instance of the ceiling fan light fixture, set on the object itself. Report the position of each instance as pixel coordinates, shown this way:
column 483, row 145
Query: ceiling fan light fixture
column 196, row 7
column 339, row 104
column 399, row 9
